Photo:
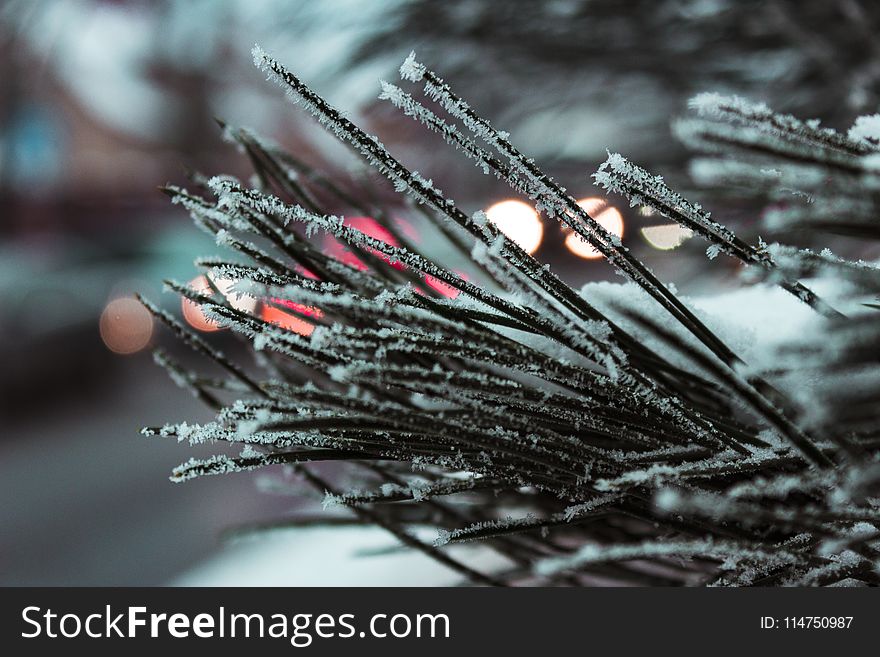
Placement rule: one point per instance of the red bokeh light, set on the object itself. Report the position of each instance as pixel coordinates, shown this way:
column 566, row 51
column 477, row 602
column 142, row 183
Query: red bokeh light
column 368, row 226
column 290, row 321
column 443, row 288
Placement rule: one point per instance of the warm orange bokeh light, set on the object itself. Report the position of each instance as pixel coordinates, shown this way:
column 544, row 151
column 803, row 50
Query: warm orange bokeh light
column 125, row 326
column 192, row 312
column 606, row 215
column 519, row 222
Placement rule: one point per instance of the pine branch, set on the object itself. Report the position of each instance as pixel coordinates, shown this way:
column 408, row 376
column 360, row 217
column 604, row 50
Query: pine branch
column 575, row 438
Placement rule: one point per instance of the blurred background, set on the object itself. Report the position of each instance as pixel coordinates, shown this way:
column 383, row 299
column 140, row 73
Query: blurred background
column 101, row 102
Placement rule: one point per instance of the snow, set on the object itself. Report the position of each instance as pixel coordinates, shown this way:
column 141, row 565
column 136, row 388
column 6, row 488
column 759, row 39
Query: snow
column 333, row 557
column 750, row 115
column 718, row 105
column 866, row 129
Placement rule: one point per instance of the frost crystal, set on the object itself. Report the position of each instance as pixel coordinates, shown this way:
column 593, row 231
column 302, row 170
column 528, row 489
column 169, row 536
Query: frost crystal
column 411, row 70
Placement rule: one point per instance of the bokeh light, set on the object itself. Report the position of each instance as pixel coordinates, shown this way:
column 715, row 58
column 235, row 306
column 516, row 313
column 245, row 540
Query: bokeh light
column 368, row 226
column 606, row 215
column 192, row 312
column 243, row 302
column 126, row 326
column 519, row 222
column 289, row 321
column 667, row 236
column 444, row 288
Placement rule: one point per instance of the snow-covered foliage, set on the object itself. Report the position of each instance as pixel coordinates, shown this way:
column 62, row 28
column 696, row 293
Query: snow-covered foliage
column 585, row 440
